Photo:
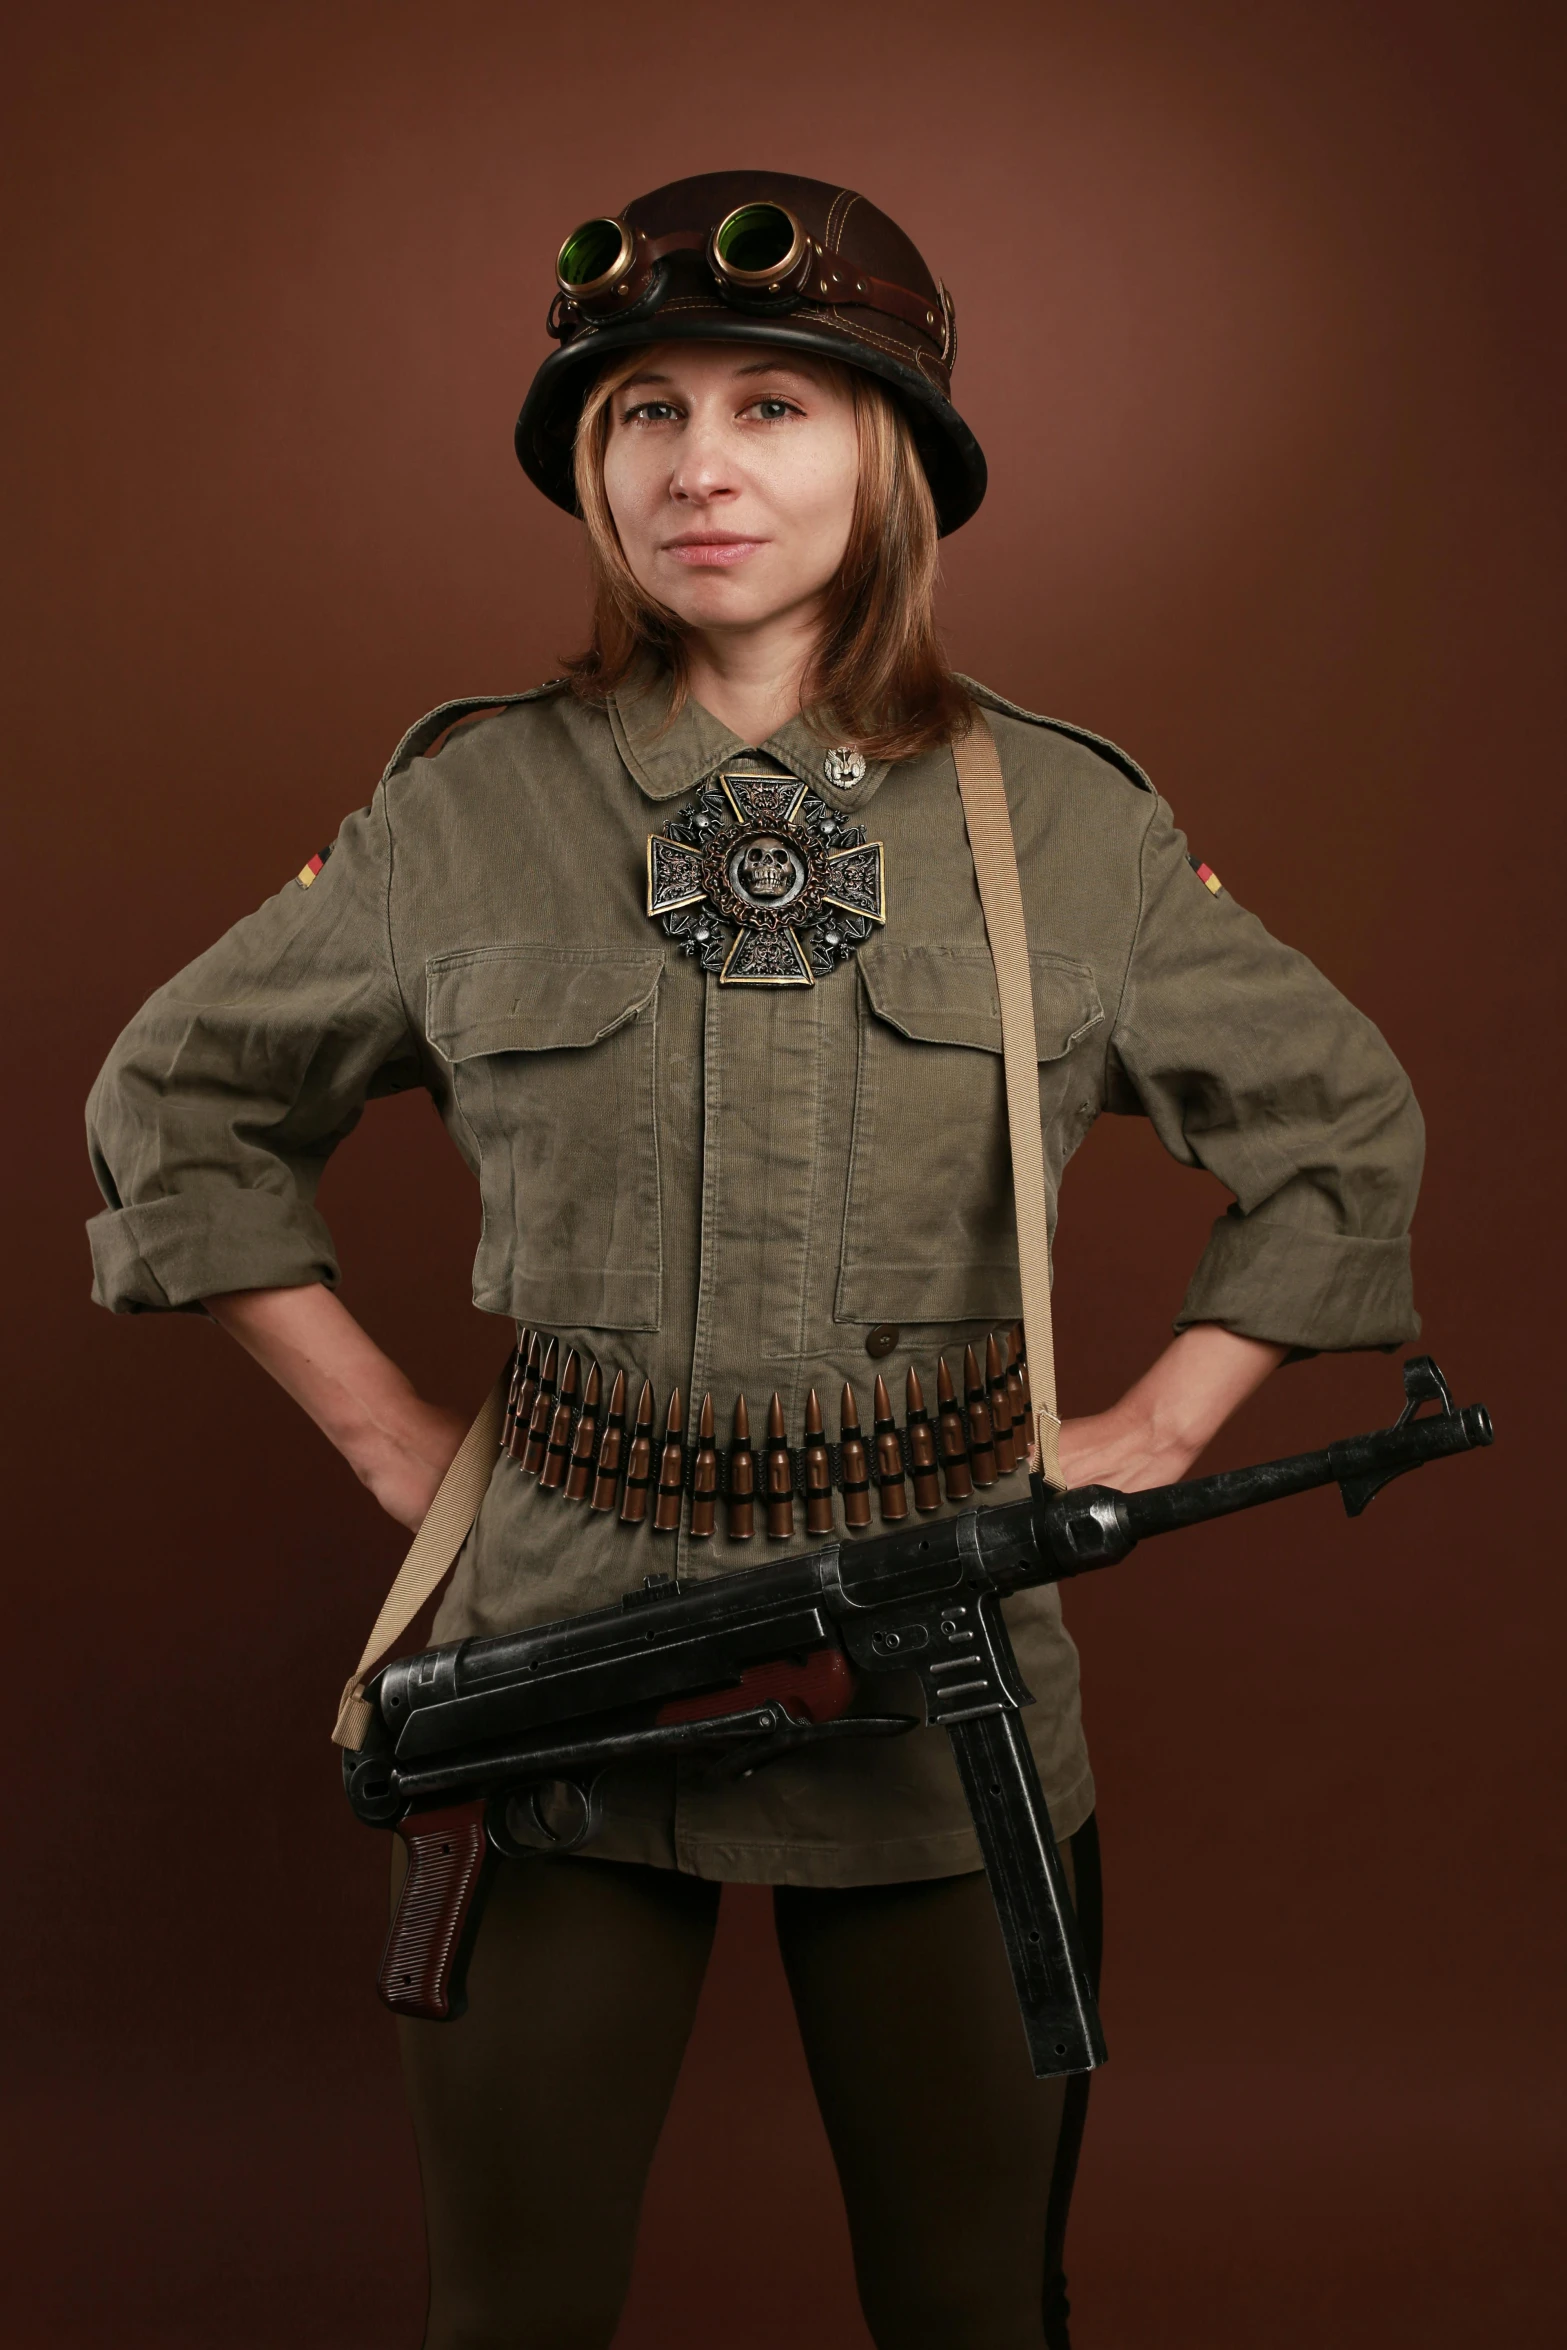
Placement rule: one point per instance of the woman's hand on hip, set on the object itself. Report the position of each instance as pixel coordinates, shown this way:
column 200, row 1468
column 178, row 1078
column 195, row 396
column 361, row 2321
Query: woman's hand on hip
column 1160, row 1426
column 396, row 1444
column 404, row 1466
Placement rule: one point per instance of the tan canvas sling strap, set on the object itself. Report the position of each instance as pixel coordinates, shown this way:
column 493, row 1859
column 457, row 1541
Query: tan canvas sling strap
column 1001, row 898
column 441, row 1534
column 462, row 1489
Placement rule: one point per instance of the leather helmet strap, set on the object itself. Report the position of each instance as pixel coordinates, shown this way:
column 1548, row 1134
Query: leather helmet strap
column 1001, row 897
column 441, row 1535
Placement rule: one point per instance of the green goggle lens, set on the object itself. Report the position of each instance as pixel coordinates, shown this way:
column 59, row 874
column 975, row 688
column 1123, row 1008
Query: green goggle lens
column 590, row 252
column 755, row 239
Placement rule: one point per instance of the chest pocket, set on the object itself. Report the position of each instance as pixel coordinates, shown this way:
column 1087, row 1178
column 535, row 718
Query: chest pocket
column 929, row 1233
column 553, row 1055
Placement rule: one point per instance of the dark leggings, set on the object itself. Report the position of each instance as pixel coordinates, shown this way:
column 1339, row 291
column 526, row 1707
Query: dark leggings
column 582, row 1993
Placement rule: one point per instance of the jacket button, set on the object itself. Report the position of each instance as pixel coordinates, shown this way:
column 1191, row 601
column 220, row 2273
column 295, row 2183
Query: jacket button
column 882, row 1339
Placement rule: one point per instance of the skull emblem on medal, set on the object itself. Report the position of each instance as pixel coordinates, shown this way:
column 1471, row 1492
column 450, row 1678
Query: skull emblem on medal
column 767, row 872
column 765, row 883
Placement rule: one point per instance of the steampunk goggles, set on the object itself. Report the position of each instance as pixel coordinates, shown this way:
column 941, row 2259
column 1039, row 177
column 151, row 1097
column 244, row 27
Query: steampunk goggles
column 761, row 258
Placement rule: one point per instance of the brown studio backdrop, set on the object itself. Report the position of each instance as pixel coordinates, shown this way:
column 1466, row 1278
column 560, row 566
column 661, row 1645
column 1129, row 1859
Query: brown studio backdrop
column 1254, row 333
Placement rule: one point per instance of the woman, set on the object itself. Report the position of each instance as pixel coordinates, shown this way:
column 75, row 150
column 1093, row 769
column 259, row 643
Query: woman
column 739, row 1128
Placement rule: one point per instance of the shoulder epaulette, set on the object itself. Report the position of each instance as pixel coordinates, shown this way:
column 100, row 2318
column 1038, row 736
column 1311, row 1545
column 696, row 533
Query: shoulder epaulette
column 1078, row 734
column 427, row 734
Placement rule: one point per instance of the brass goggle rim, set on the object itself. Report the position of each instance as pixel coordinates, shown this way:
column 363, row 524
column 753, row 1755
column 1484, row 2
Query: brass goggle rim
column 591, row 289
column 614, row 282
column 774, row 278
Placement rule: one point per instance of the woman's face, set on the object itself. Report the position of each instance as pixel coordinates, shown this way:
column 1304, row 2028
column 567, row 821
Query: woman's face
column 730, row 470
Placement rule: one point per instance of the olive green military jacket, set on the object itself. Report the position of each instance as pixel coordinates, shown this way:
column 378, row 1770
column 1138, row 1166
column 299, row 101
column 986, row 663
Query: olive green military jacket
column 727, row 1188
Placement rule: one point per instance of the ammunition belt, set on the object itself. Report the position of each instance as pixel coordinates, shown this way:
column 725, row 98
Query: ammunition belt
column 562, row 1430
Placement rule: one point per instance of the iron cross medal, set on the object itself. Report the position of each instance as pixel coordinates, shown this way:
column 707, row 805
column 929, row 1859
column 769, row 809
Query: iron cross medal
column 764, row 882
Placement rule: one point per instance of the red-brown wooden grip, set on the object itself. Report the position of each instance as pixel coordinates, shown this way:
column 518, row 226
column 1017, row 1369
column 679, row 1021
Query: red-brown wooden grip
column 425, row 1963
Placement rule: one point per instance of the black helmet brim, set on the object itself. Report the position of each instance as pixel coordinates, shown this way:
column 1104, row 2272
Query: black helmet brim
column 953, row 460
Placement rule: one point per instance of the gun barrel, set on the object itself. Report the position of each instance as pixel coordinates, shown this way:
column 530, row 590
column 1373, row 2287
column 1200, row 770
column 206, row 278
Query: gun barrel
column 1165, row 1508
column 1360, row 1464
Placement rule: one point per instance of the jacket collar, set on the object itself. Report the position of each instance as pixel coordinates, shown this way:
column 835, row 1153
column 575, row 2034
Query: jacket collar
column 668, row 762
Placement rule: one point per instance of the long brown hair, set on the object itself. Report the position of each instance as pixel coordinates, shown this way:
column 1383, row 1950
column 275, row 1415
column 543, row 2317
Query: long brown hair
column 879, row 678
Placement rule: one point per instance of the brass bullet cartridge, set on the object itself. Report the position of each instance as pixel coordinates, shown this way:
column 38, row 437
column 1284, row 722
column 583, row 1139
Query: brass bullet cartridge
column 981, row 1436
column 639, row 1461
column 951, row 1437
column 704, row 1476
column 778, row 1474
column 1017, row 1405
column 922, row 1446
column 742, row 1477
column 584, row 1443
column 542, row 1415
column 606, row 1476
column 671, row 1470
column 1000, row 1409
column 557, row 1453
column 1019, row 1349
column 854, row 1473
column 527, row 1395
column 818, row 1471
column 889, row 1457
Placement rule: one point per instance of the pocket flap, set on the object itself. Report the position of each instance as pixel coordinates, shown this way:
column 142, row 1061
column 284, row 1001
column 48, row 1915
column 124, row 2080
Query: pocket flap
column 532, row 999
column 947, row 995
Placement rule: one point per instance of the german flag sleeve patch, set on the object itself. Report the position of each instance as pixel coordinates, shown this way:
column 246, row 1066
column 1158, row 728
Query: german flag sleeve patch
column 1205, row 874
column 308, row 871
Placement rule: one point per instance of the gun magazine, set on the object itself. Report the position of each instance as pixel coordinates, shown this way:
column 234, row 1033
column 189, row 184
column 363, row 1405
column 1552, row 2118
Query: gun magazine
column 1038, row 1923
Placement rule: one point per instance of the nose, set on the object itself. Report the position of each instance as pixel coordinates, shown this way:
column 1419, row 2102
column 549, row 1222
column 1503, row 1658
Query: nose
column 703, row 470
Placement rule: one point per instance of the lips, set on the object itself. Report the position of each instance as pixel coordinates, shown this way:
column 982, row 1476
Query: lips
column 711, row 549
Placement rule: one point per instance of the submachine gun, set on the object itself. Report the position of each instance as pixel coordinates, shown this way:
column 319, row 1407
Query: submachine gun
column 496, row 1747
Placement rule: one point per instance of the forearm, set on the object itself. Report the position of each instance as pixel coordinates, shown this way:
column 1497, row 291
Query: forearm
column 307, row 1340
column 1161, row 1425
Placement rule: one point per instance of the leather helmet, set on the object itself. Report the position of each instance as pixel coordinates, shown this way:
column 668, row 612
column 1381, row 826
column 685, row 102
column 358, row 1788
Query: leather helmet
column 753, row 257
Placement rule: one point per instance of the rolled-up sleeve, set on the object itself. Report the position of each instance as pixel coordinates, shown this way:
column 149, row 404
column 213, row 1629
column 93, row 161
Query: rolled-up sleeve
column 215, row 1113
column 1249, row 1063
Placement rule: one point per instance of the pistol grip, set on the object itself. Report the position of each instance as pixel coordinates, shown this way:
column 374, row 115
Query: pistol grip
column 424, row 1967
